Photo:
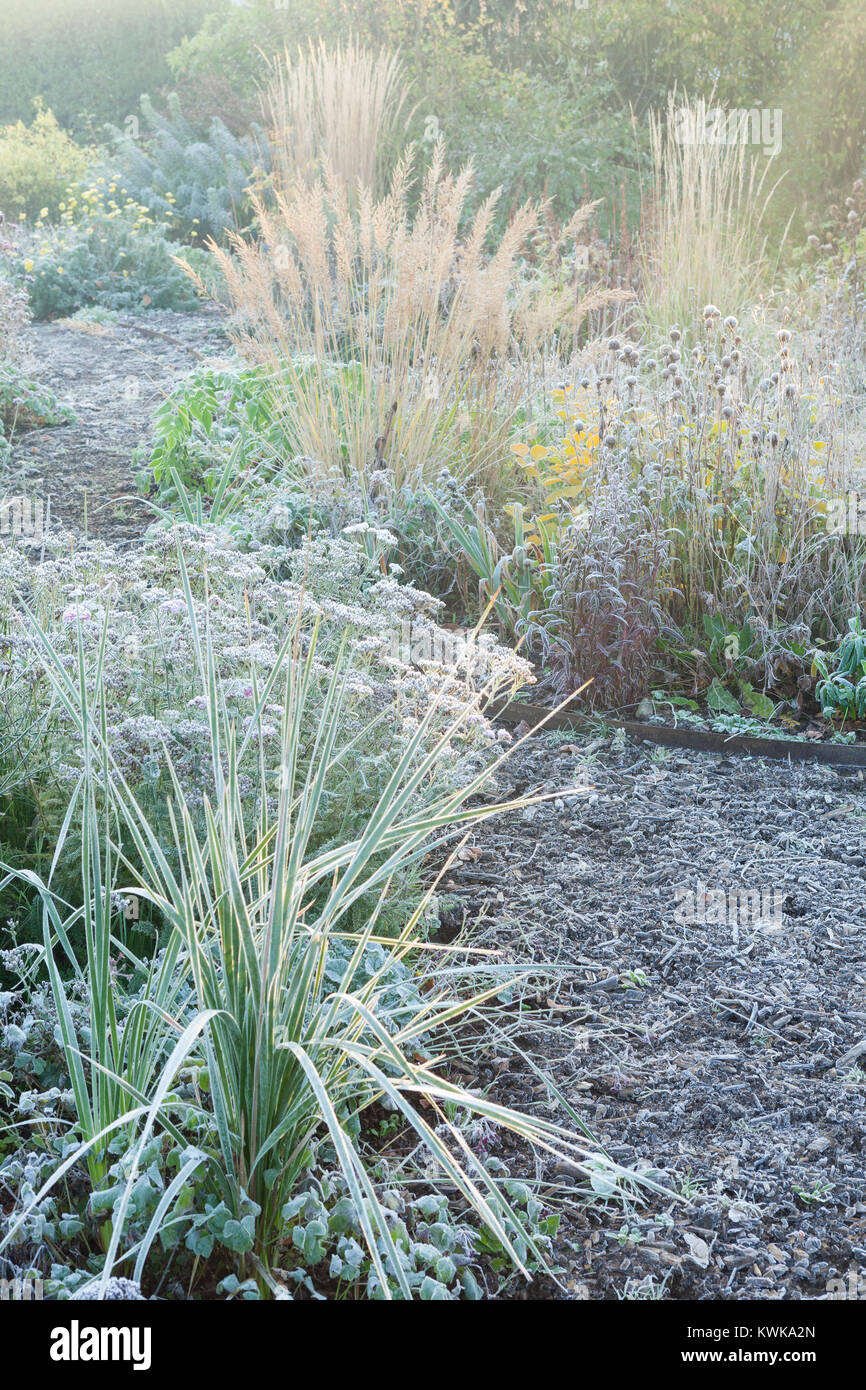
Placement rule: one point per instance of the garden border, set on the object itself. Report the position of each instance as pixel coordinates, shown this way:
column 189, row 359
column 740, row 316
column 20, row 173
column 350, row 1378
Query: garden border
column 540, row 717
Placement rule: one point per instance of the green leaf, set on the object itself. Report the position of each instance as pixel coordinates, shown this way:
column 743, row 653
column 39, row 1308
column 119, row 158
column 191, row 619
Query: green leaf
column 720, row 699
column 759, row 704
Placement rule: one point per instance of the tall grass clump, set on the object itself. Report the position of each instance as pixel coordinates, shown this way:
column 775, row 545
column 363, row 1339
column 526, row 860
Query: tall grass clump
column 402, row 344
column 705, row 234
column 337, row 108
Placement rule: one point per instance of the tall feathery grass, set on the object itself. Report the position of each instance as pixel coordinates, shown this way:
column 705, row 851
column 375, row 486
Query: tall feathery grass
column 401, row 344
column 337, row 107
column 705, row 236
column 252, row 912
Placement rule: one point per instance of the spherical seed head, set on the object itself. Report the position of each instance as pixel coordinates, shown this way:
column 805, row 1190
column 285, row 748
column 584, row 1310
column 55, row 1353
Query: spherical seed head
column 813, row 241
column 790, row 391
column 853, row 216
column 774, row 439
column 675, row 334
column 650, row 364
column 728, row 412
column 726, row 363
column 610, row 441
column 730, row 322
column 711, row 312
column 614, row 345
column 784, row 335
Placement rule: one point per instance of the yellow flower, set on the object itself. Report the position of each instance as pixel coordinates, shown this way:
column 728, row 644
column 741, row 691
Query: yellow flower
column 60, row 270
column 28, row 266
column 43, row 212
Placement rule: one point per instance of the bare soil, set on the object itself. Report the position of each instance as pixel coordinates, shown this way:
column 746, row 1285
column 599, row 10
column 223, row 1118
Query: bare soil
column 113, row 377
column 725, row 1058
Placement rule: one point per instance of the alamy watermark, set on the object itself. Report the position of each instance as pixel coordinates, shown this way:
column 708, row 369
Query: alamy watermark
column 24, row 516
column 713, row 125
column 853, row 1286
column 846, row 516
column 730, row 907
column 22, row 1290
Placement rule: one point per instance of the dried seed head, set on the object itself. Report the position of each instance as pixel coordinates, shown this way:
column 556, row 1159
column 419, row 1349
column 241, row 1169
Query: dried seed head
column 614, row 345
column 730, row 323
column 728, row 412
column 784, row 335
column 790, row 391
column 711, row 312
column 675, row 334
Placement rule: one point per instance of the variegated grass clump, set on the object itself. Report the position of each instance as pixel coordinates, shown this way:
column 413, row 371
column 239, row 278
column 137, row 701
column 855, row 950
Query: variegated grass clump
column 250, row 908
column 437, row 339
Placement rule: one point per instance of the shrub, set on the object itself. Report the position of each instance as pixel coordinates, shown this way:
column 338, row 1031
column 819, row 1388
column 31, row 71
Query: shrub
column 89, row 60
column 103, row 252
column 37, row 163
column 194, row 181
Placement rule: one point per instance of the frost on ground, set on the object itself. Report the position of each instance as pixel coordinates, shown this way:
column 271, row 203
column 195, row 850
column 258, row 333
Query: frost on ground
column 701, row 922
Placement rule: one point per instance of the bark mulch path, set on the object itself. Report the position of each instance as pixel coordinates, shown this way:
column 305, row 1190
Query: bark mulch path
column 725, row 1057
column 113, row 376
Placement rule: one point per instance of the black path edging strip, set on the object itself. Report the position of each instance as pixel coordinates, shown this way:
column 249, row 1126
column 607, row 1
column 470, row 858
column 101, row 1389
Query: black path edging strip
column 700, row 740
